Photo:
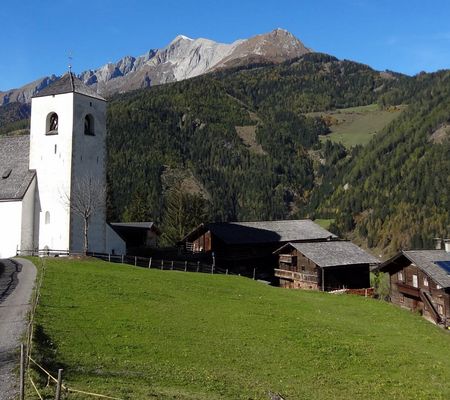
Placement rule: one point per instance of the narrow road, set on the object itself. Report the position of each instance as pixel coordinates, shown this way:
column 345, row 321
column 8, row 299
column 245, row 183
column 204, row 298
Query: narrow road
column 16, row 285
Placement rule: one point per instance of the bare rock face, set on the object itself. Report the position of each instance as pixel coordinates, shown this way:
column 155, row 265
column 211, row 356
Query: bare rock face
column 183, row 58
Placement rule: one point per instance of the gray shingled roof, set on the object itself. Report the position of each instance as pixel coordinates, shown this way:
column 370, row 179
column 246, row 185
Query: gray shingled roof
column 139, row 225
column 14, row 156
column 268, row 231
column 333, row 253
column 425, row 260
column 68, row 83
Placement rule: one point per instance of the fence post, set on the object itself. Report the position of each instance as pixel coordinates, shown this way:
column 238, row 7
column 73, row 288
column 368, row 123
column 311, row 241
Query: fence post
column 122, row 258
column 22, row 373
column 212, row 269
column 254, row 273
column 171, row 266
column 185, row 266
column 162, row 265
column 198, row 266
column 58, row 385
column 109, row 257
column 226, row 271
column 150, row 262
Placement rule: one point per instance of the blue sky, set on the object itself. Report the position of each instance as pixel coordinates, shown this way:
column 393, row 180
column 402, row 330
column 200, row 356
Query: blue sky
column 36, row 37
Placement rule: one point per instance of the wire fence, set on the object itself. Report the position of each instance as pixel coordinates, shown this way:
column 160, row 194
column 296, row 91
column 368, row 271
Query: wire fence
column 150, row 262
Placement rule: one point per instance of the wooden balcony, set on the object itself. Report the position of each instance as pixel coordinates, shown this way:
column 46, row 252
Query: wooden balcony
column 408, row 290
column 295, row 276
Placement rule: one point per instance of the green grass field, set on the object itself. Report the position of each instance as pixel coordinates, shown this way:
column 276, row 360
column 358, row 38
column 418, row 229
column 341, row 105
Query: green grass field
column 134, row 333
column 324, row 223
column 357, row 125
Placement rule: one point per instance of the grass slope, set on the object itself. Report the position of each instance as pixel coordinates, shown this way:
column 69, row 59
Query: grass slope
column 148, row 334
column 357, row 125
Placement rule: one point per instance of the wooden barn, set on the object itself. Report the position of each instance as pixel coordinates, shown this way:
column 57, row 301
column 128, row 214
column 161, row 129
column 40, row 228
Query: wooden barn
column 420, row 281
column 242, row 246
column 324, row 266
column 138, row 236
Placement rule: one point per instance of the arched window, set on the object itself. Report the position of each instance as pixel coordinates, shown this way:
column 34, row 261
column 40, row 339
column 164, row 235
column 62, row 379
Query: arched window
column 52, row 124
column 47, row 217
column 89, row 125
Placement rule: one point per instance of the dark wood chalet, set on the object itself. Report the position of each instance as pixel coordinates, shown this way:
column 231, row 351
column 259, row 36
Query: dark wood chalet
column 242, row 246
column 138, row 236
column 420, row 281
column 324, row 266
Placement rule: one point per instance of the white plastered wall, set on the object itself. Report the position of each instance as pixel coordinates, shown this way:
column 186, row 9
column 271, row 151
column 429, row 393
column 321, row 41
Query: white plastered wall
column 50, row 156
column 28, row 207
column 11, row 218
column 88, row 163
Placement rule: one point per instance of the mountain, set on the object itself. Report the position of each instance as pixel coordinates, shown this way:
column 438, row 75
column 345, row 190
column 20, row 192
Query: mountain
column 183, row 58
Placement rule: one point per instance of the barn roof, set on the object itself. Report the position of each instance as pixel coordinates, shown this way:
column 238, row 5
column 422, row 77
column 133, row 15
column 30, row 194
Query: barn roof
column 263, row 231
column 427, row 261
column 68, row 83
column 15, row 177
column 333, row 253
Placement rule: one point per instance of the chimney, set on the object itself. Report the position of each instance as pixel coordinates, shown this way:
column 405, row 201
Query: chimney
column 447, row 245
column 438, row 243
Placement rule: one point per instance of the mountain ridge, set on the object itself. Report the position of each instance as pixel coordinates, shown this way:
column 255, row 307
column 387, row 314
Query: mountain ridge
column 182, row 58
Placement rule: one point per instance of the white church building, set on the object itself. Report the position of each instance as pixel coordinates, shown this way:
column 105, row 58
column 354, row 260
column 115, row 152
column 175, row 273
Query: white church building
column 40, row 174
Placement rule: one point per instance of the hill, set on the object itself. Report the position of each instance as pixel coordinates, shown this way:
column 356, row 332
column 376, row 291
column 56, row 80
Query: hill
column 136, row 333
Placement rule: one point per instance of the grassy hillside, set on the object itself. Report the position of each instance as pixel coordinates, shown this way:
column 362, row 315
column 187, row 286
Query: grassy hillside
column 148, row 334
column 357, row 125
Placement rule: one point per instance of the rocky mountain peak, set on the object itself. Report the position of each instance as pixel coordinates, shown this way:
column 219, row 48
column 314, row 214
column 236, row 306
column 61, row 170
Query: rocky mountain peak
column 182, row 58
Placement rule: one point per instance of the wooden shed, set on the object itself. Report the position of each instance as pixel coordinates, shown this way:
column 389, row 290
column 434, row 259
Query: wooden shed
column 324, row 266
column 138, row 236
column 420, row 281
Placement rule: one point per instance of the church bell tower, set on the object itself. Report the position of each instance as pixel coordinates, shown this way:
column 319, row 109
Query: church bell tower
column 67, row 151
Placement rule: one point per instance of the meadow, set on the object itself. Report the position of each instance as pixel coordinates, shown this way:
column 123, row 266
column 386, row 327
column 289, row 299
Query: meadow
column 357, row 125
column 135, row 333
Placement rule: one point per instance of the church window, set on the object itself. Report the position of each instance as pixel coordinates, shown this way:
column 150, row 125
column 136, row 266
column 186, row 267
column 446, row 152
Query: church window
column 89, row 125
column 47, row 217
column 52, row 124
column 56, row 148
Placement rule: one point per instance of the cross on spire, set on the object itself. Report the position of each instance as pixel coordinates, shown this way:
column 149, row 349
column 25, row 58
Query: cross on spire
column 70, row 61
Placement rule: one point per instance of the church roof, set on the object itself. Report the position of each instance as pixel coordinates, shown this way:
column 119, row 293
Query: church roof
column 68, row 83
column 15, row 177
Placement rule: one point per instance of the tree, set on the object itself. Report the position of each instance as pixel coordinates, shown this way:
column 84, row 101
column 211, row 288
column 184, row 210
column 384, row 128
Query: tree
column 183, row 212
column 87, row 198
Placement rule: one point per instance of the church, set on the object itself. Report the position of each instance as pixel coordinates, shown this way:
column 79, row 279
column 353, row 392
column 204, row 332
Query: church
column 43, row 176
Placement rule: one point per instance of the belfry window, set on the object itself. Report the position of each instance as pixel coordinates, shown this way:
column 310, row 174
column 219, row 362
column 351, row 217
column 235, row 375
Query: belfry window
column 47, row 218
column 52, row 124
column 89, row 125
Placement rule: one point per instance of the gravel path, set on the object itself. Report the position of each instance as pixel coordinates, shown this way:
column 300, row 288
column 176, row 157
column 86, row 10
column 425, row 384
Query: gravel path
column 16, row 284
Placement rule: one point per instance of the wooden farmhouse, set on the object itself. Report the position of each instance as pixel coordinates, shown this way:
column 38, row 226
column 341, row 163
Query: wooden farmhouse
column 324, row 266
column 420, row 281
column 242, row 246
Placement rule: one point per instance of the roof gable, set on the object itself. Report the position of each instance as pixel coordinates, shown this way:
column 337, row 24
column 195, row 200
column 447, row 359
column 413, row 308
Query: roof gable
column 424, row 260
column 15, row 177
column 333, row 253
column 68, row 83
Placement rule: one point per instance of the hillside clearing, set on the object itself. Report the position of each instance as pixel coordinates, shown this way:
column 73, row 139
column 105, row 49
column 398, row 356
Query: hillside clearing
column 136, row 333
column 357, row 125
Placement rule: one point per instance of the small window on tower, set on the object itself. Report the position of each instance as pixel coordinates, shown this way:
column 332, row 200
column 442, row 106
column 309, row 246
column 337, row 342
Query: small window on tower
column 52, row 124
column 47, row 218
column 89, row 125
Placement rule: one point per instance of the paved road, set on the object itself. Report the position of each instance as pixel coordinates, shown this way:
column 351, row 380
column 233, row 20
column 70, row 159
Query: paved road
column 16, row 284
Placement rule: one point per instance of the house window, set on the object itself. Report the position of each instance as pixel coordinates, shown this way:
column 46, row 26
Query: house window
column 440, row 309
column 47, row 218
column 438, row 286
column 400, row 276
column 52, row 124
column 415, row 281
column 402, row 299
column 89, row 125
column 425, row 281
